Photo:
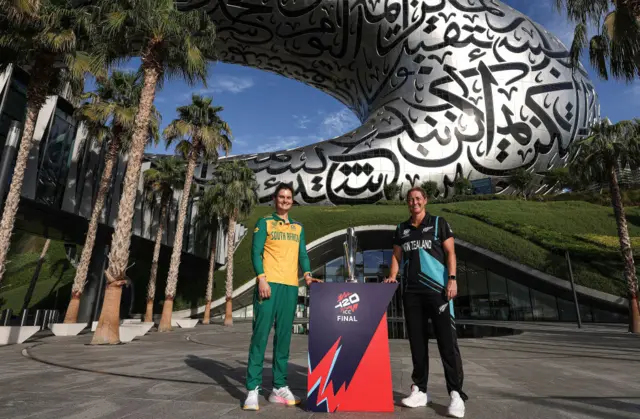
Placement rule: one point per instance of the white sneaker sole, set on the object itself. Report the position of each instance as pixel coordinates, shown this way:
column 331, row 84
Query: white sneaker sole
column 455, row 414
column 251, row 407
column 281, row 400
column 413, row 405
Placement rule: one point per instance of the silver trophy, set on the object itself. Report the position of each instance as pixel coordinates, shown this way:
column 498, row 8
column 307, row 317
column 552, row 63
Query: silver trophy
column 350, row 249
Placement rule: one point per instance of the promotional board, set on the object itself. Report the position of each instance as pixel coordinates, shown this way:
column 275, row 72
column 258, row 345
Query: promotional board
column 349, row 366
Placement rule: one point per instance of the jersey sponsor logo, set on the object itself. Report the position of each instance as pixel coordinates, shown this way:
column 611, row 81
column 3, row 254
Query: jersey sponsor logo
column 406, row 232
column 347, row 305
column 427, row 229
column 256, row 229
column 416, row 244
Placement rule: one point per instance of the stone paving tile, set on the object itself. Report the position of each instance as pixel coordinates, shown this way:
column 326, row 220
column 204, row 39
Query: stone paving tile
column 553, row 372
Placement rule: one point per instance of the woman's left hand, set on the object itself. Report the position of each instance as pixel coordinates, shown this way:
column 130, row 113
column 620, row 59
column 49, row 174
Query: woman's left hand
column 452, row 289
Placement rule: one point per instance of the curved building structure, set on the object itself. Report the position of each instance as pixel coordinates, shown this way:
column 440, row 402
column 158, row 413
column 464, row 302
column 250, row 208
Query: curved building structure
column 443, row 88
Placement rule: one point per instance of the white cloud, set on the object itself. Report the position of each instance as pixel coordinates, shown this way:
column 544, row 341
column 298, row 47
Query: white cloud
column 302, row 121
column 240, row 141
column 279, row 143
column 128, row 69
column 340, row 122
column 232, row 84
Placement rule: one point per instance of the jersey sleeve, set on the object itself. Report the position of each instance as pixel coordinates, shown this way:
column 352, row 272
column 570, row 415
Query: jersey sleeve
column 396, row 236
column 445, row 230
column 257, row 247
column 303, row 257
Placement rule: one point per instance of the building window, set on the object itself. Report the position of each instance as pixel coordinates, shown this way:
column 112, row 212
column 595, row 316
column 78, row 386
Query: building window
column 498, row 297
column 544, row 306
column 482, row 294
column 519, row 302
column 478, row 292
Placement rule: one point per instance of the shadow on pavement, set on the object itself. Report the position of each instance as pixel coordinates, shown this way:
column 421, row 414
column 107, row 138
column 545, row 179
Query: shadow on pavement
column 225, row 376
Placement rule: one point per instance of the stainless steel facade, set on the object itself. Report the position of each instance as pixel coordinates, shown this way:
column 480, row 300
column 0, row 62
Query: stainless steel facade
column 443, row 88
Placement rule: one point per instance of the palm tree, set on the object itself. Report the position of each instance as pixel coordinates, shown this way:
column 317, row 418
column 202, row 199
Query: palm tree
column 114, row 102
column 618, row 40
column 169, row 43
column 41, row 36
column 161, row 180
column 202, row 133
column 520, row 180
column 236, row 186
column 19, row 8
column 208, row 221
column 599, row 158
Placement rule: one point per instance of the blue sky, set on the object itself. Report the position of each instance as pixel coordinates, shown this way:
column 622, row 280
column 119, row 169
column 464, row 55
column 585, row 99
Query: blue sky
column 268, row 112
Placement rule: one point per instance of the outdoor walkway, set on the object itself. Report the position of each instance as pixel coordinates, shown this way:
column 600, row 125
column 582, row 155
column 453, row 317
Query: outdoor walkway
column 549, row 371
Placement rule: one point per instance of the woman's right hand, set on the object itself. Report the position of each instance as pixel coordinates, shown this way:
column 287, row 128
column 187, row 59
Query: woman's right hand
column 264, row 290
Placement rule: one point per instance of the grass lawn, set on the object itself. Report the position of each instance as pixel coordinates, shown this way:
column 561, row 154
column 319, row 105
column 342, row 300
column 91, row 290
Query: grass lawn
column 533, row 233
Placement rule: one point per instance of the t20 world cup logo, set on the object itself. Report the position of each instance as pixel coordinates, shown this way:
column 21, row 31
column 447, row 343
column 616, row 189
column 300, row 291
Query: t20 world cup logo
column 348, row 303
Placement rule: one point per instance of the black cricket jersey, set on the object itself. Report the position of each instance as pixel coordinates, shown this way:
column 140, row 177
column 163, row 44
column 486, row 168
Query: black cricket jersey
column 424, row 265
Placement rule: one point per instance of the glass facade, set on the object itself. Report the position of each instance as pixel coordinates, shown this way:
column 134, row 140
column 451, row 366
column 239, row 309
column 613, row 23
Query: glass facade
column 482, row 294
column 55, row 156
column 15, row 105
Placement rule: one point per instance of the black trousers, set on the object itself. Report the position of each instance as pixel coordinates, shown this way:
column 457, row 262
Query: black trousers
column 418, row 309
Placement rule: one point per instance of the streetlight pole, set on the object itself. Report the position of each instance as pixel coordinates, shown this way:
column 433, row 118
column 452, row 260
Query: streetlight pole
column 573, row 289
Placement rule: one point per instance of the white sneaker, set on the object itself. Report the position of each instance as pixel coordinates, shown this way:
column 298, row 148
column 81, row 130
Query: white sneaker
column 251, row 402
column 284, row 396
column 417, row 398
column 456, row 407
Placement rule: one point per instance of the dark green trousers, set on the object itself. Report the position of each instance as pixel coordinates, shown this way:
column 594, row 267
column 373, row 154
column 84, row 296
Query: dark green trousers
column 280, row 310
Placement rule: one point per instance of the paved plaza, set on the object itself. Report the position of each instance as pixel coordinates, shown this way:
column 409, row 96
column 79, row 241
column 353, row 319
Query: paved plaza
column 547, row 371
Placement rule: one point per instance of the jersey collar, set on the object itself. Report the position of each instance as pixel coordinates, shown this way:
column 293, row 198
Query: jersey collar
column 425, row 221
column 275, row 215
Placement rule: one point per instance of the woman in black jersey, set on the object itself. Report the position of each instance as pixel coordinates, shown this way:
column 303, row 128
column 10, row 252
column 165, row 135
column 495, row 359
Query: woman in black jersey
column 426, row 244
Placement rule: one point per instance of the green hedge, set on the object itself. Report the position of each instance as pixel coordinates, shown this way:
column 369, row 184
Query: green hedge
column 532, row 233
column 56, row 274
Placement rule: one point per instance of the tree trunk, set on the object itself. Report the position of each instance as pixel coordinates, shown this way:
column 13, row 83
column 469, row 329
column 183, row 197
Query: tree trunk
column 87, row 250
column 209, row 292
column 207, row 313
column 176, row 252
column 36, row 274
column 148, row 315
column 73, row 308
column 165, row 320
column 13, row 197
column 121, row 239
column 625, row 250
column 231, row 233
column 108, row 331
column 151, row 287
